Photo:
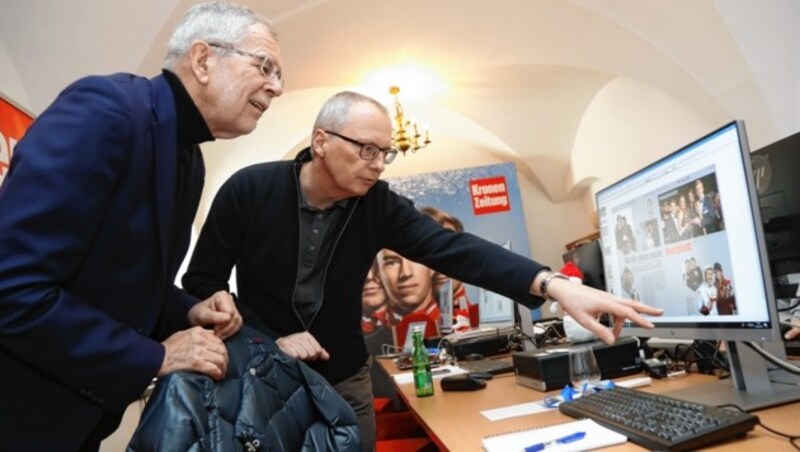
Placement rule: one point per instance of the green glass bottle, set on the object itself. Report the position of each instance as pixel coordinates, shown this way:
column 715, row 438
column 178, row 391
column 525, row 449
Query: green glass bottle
column 423, row 379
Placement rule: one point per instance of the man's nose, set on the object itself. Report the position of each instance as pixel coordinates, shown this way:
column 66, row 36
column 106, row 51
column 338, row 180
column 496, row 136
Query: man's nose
column 377, row 163
column 274, row 86
column 406, row 269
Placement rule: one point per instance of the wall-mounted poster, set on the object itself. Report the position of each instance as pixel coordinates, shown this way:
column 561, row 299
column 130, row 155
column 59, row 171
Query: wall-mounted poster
column 14, row 121
column 484, row 201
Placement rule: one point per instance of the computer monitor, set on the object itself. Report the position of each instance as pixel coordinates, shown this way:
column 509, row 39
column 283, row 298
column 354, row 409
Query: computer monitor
column 495, row 309
column 775, row 171
column 498, row 311
column 588, row 257
column 722, row 233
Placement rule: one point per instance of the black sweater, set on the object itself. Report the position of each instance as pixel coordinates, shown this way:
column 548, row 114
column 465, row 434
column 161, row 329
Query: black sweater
column 254, row 224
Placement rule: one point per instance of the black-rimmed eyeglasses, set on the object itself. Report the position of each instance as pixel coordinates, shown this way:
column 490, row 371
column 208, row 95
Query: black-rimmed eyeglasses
column 264, row 63
column 368, row 151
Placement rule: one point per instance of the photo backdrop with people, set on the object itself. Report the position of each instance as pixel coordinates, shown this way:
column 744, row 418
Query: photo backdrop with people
column 484, row 201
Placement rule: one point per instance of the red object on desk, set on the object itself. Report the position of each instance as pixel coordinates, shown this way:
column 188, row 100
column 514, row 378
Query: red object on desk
column 401, row 330
column 570, row 269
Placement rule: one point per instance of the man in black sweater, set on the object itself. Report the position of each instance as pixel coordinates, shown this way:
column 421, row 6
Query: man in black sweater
column 303, row 235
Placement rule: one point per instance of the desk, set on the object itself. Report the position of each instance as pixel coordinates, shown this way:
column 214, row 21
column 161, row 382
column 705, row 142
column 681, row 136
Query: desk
column 453, row 419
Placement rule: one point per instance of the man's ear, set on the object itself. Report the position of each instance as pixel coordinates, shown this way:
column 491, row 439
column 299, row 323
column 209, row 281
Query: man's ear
column 319, row 142
column 200, row 60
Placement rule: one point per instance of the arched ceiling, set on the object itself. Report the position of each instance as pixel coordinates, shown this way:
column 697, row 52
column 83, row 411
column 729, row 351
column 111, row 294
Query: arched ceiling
column 537, row 78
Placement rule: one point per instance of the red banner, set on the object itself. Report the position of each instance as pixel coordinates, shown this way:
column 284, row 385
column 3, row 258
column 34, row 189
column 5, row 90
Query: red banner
column 489, row 195
column 13, row 124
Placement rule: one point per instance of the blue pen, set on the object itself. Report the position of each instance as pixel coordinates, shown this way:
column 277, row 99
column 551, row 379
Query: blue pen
column 577, row 436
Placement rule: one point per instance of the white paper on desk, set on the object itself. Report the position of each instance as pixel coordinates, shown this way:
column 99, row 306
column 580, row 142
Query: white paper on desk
column 438, row 373
column 515, row 410
column 596, row 436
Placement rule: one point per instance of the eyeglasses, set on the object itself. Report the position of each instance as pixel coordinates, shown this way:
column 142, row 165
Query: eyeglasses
column 267, row 67
column 368, row 151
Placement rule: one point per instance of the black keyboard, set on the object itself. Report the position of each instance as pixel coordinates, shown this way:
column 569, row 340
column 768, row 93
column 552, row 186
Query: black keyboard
column 658, row 422
column 489, row 366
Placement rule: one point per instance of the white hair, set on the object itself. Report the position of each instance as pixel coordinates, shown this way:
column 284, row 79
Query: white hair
column 333, row 114
column 218, row 21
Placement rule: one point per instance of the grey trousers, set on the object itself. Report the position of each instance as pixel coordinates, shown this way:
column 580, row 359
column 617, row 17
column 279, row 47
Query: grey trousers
column 357, row 391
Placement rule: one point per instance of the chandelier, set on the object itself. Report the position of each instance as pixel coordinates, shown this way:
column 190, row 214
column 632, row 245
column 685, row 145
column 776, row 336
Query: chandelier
column 406, row 134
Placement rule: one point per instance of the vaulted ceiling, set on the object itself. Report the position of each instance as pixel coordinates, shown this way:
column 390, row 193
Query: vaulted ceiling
column 558, row 86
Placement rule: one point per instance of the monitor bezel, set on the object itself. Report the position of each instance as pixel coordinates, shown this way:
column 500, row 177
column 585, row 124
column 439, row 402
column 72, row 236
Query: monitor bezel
column 731, row 331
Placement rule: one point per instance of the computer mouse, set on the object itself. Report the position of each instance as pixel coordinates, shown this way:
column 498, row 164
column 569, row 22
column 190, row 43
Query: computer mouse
column 478, row 383
column 473, row 356
column 462, row 383
column 480, row 375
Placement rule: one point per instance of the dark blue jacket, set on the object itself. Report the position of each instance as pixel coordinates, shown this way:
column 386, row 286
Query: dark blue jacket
column 254, row 224
column 267, row 402
column 86, row 259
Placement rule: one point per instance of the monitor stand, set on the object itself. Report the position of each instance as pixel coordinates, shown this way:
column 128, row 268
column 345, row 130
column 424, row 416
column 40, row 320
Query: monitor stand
column 751, row 385
column 526, row 326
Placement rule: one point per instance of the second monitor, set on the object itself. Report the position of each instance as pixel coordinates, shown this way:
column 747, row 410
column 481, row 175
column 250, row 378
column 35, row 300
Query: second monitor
column 589, row 259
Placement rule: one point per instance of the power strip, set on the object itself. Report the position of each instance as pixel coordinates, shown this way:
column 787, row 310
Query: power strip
column 635, row 382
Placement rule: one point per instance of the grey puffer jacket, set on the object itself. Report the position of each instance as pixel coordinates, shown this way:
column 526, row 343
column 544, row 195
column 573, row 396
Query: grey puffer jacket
column 267, row 402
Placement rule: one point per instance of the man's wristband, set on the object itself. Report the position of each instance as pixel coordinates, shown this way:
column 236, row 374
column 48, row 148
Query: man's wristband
column 545, row 283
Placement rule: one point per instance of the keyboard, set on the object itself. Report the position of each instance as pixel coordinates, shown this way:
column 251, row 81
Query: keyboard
column 489, row 366
column 658, row 422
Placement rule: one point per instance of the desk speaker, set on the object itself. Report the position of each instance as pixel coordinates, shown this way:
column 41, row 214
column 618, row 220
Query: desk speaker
column 548, row 369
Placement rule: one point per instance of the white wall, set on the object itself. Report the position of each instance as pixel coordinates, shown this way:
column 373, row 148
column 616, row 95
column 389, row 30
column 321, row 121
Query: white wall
column 629, row 125
column 10, row 81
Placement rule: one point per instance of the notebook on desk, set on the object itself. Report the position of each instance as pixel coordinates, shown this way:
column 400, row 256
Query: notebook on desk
column 554, row 437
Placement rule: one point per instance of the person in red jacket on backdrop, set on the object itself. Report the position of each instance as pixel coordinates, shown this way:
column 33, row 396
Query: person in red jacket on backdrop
column 409, row 286
column 374, row 302
column 462, row 305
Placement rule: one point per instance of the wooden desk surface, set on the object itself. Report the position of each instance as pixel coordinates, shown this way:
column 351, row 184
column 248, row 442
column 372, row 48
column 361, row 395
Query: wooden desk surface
column 454, row 421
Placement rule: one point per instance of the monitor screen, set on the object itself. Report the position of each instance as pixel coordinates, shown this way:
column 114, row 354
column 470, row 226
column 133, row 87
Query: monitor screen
column 775, row 171
column 495, row 309
column 589, row 260
column 685, row 234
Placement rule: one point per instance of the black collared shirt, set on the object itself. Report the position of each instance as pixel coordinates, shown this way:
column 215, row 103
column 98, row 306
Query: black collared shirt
column 316, row 246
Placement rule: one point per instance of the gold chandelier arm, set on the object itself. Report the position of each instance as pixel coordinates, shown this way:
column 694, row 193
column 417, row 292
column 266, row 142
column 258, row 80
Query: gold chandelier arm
column 400, row 135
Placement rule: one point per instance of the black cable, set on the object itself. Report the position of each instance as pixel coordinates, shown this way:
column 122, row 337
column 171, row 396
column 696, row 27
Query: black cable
column 707, row 362
column 790, row 307
column 681, row 359
column 792, row 438
column 682, row 356
column 551, row 334
column 720, row 359
column 524, row 338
